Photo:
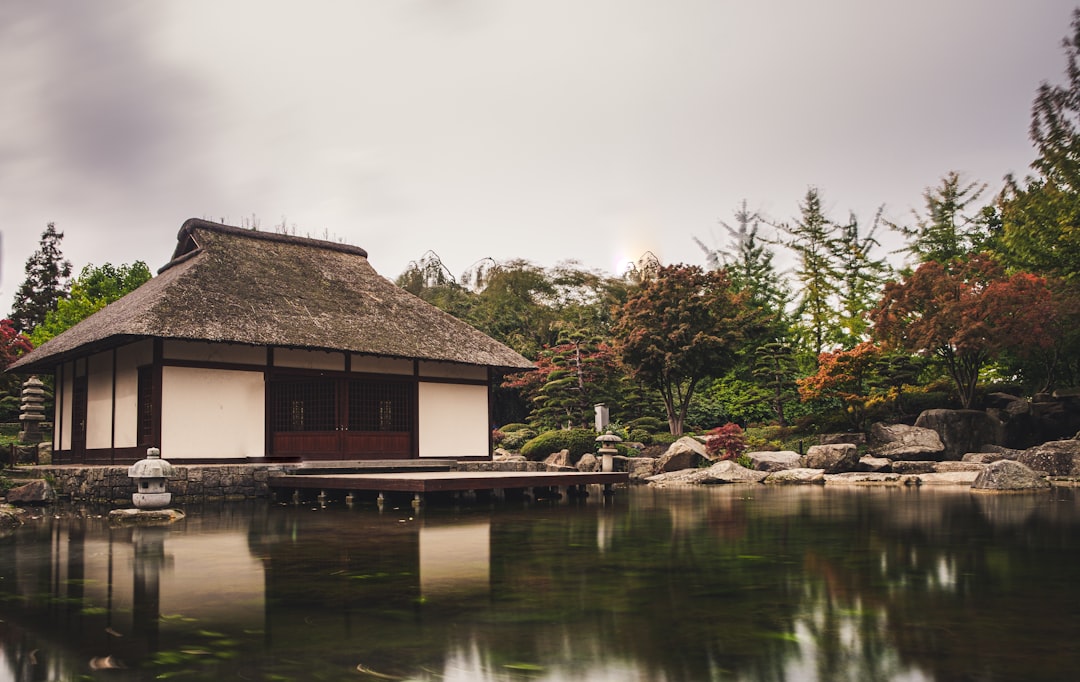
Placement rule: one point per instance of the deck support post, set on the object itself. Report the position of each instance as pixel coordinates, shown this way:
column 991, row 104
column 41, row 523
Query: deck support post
column 349, row 500
column 418, row 500
column 296, row 497
column 381, row 501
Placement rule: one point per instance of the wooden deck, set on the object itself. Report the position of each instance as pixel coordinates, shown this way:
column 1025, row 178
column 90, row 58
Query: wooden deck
column 420, row 482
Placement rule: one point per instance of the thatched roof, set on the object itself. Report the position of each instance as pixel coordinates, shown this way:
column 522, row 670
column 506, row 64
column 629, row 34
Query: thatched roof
column 233, row 285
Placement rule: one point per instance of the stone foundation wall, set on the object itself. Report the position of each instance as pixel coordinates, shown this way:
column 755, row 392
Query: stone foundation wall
column 190, row 483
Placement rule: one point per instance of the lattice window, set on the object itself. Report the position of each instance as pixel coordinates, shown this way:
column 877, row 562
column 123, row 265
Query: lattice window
column 308, row 405
column 380, row 406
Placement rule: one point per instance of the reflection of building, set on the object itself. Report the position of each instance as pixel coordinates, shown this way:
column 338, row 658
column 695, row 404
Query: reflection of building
column 251, row 345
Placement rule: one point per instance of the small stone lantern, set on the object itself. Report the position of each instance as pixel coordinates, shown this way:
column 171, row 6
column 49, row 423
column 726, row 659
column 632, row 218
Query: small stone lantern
column 150, row 475
column 607, row 450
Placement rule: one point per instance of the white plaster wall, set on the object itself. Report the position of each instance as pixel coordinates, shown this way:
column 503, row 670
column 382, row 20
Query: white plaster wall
column 128, row 360
column 62, row 408
column 230, row 353
column 453, row 420
column 309, row 359
column 451, row 370
column 376, row 365
column 99, row 413
column 212, row 413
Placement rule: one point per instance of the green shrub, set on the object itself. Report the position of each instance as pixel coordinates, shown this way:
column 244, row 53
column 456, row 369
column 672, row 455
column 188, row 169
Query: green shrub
column 509, row 428
column 577, row 441
column 650, row 424
column 664, row 438
column 641, row 436
column 515, row 439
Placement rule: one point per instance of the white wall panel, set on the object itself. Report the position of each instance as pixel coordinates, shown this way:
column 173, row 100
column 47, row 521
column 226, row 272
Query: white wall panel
column 453, row 420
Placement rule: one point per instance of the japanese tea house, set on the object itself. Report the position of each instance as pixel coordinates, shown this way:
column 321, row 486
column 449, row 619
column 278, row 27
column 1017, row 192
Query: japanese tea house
column 255, row 346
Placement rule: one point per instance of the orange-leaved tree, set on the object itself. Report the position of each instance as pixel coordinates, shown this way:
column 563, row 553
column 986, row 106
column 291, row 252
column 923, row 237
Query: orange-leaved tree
column 966, row 313
column 844, row 375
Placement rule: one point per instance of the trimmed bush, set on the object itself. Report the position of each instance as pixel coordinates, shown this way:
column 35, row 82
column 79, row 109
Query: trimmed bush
column 515, row 439
column 664, row 438
column 641, row 436
column 509, row 428
column 577, row 441
column 650, row 424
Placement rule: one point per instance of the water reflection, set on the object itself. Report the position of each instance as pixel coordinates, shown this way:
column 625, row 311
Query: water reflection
column 750, row 583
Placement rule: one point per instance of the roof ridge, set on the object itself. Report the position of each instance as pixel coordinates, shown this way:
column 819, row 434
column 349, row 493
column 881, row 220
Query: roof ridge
column 193, row 224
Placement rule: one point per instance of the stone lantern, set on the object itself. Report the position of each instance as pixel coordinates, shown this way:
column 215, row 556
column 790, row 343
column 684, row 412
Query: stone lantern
column 150, row 475
column 607, row 450
column 32, row 410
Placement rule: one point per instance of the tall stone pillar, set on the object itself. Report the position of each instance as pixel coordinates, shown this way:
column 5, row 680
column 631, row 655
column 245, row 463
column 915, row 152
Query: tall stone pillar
column 32, row 411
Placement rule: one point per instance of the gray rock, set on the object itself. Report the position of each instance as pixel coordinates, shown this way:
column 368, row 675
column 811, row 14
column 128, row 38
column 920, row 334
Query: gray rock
column 986, row 457
column 871, row 464
column 34, row 492
column 1009, row 475
column 685, row 453
column 951, row 467
column 1056, row 458
column 560, row 458
column 962, row 431
column 914, row 467
column 834, row 459
column 867, row 478
column 798, row 476
column 835, row 438
column 588, row 462
column 774, row 460
column 725, row 471
column 640, row 468
column 10, row 517
column 903, row 442
column 960, row 478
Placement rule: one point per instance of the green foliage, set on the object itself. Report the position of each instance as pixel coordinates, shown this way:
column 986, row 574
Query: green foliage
column 92, row 290
column 577, row 441
column 45, row 283
column 952, row 227
column 811, row 238
column 679, row 328
column 775, row 369
column 507, row 428
column 514, row 440
column 650, row 424
column 729, row 398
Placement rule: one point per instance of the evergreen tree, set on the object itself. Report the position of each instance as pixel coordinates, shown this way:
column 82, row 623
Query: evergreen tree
column 774, row 366
column 749, row 263
column 812, row 238
column 92, row 290
column 949, row 229
column 860, row 278
column 46, row 282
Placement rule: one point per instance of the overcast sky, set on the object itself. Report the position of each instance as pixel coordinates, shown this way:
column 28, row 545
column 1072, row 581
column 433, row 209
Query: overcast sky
column 548, row 130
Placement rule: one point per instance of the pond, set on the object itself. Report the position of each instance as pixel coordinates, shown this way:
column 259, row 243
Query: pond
column 718, row 583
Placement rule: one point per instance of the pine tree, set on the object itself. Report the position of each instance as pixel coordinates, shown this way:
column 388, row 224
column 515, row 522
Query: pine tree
column 860, row 278
column 46, row 282
column 948, row 230
column 812, row 238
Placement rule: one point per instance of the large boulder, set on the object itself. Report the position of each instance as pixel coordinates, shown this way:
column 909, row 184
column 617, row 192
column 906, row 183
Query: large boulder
column 800, row 476
column 833, row 459
column 868, row 478
column 1009, row 475
column 588, row 463
column 34, row 492
column 1056, row 458
column 725, row 471
column 640, row 468
column 559, row 459
column 834, row 438
column 875, row 465
column 903, row 442
column 685, row 453
column 774, row 460
column 963, row 431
